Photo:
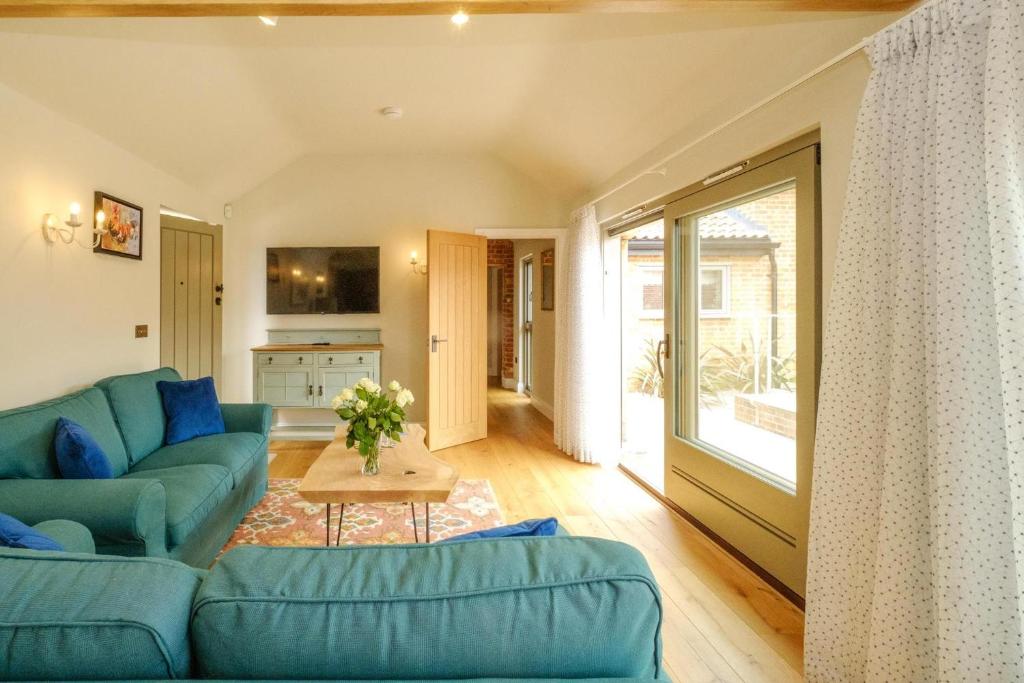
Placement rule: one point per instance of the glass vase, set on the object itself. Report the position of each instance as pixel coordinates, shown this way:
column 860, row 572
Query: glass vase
column 371, row 461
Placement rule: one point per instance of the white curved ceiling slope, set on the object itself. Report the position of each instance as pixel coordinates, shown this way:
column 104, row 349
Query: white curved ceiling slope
column 565, row 99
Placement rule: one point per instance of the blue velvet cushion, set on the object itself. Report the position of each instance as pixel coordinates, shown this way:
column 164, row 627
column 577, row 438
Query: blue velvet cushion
column 14, row 534
column 78, row 454
column 528, row 527
column 192, row 409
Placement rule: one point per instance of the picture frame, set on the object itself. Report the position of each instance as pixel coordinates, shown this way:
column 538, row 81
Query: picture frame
column 547, row 280
column 122, row 235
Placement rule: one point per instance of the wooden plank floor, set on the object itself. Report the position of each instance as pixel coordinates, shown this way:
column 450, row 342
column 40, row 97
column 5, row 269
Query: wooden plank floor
column 722, row 623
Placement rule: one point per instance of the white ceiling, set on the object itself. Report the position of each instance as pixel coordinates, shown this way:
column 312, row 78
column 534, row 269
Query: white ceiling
column 566, row 99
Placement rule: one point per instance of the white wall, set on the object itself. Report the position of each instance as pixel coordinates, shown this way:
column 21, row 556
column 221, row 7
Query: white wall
column 69, row 314
column 829, row 101
column 388, row 201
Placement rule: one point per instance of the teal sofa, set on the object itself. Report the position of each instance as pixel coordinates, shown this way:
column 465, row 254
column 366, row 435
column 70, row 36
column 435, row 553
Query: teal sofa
column 180, row 502
column 551, row 608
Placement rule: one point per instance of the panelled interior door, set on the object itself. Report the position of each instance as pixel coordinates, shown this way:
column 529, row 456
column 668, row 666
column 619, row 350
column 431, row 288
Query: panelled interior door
column 457, row 284
column 743, row 262
column 191, row 297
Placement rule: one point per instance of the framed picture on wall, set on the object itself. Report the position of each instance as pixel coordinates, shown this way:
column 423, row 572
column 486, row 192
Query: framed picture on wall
column 122, row 227
column 547, row 280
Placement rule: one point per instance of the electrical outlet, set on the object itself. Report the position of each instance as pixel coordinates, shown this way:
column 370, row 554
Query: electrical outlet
column 141, row 331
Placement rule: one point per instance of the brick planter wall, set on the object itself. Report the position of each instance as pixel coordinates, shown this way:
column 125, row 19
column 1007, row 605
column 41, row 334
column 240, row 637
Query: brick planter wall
column 762, row 411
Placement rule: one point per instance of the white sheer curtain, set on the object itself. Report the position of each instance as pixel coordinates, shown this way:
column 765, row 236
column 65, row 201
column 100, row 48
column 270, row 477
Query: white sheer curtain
column 582, row 411
column 916, row 565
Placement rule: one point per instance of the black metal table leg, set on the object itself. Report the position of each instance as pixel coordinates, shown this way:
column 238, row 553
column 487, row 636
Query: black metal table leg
column 328, row 525
column 415, row 531
column 340, row 518
column 428, row 522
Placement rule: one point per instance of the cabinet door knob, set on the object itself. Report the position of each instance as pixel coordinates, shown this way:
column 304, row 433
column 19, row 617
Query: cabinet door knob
column 300, row 360
column 270, row 360
column 321, row 390
column 330, row 360
column 360, row 359
column 310, row 389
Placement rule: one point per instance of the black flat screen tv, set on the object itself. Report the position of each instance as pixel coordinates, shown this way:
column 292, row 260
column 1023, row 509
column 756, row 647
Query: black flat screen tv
column 323, row 280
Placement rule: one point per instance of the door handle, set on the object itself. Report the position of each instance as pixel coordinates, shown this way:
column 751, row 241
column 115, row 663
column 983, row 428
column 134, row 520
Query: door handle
column 663, row 345
column 310, row 389
column 434, row 341
column 320, row 391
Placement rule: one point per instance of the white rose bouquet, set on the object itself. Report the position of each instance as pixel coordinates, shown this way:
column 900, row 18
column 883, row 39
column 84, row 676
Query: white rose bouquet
column 372, row 413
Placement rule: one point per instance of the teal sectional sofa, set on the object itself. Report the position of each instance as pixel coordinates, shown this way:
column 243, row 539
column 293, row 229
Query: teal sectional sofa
column 551, row 608
column 181, row 501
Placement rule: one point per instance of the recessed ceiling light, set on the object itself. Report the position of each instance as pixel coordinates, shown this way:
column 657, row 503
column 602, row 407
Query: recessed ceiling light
column 460, row 18
column 269, row 21
column 391, row 113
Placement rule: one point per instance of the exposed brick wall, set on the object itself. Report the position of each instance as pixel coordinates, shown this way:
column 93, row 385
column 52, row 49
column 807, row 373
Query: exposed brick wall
column 500, row 254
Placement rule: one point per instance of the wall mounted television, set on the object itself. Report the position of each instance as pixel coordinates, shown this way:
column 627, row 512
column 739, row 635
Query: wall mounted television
column 323, row 280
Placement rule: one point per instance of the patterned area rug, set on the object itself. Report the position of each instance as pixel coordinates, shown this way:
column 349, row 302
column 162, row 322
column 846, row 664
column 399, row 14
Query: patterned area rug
column 283, row 518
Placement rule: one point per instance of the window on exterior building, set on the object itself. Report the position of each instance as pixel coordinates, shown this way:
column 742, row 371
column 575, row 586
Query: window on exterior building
column 714, row 291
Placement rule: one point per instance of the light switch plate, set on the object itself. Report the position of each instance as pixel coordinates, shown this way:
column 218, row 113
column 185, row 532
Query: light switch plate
column 141, row 331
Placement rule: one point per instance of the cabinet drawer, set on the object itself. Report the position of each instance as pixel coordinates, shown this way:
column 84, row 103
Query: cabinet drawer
column 284, row 358
column 326, row 360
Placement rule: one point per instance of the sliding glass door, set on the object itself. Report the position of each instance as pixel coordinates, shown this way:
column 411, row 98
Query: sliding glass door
column 743, row 311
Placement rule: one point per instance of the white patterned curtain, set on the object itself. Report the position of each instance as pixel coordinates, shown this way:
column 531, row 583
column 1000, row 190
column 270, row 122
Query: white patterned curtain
column 582, row 409
column 916, row 566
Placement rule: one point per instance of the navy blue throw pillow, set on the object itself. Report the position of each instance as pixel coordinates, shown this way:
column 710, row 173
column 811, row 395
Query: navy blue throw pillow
column 14, row 534
column 528, row 527
column 78, row 454
column 192, row 409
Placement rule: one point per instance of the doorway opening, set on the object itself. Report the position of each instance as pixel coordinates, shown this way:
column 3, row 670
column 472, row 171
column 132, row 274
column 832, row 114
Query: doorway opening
column 521, row 318
column 640, row 258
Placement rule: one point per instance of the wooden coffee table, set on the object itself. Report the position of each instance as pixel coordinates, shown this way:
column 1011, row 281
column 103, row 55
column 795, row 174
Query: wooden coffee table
column 408, row 474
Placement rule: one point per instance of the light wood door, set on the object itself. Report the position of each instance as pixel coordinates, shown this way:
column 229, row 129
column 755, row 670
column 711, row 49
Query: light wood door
column 191, row 297
column 457, row 284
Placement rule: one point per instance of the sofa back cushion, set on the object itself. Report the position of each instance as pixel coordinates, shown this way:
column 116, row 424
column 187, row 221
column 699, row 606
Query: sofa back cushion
column 556, row 607
column 138, row 409
column 70, row 616
column 26, row 434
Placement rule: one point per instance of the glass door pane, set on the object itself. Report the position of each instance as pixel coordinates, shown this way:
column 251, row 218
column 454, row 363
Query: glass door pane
column 746, row 334
column 642, row 324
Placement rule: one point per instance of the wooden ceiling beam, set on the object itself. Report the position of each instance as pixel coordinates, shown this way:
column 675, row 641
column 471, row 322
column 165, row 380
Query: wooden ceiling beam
column 283, row 8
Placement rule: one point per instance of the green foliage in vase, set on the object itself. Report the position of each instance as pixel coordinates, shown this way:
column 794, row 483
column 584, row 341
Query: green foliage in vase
column 371, row 412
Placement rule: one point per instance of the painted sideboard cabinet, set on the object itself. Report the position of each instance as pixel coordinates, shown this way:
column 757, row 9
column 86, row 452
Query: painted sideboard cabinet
column 307, row 368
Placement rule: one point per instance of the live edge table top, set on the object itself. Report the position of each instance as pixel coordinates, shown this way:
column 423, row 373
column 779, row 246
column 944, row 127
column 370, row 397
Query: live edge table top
column 408, row 474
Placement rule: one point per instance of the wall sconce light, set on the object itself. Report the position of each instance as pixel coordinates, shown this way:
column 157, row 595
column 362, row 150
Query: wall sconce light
column 52, row 231
column 417, row 267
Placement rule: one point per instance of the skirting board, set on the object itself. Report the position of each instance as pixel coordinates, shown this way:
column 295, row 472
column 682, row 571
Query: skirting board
column 543, row 407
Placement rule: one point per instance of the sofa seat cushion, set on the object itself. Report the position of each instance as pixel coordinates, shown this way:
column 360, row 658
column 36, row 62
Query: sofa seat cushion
column 27, row 434
column 68, row 616
column 193, row 492
column 555, row 607
column 237, row 452
column 138, row 409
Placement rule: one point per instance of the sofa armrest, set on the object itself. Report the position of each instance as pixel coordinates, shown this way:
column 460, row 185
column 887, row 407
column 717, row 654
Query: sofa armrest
column 118, row 512
column 247, row 417
column 72, row 536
